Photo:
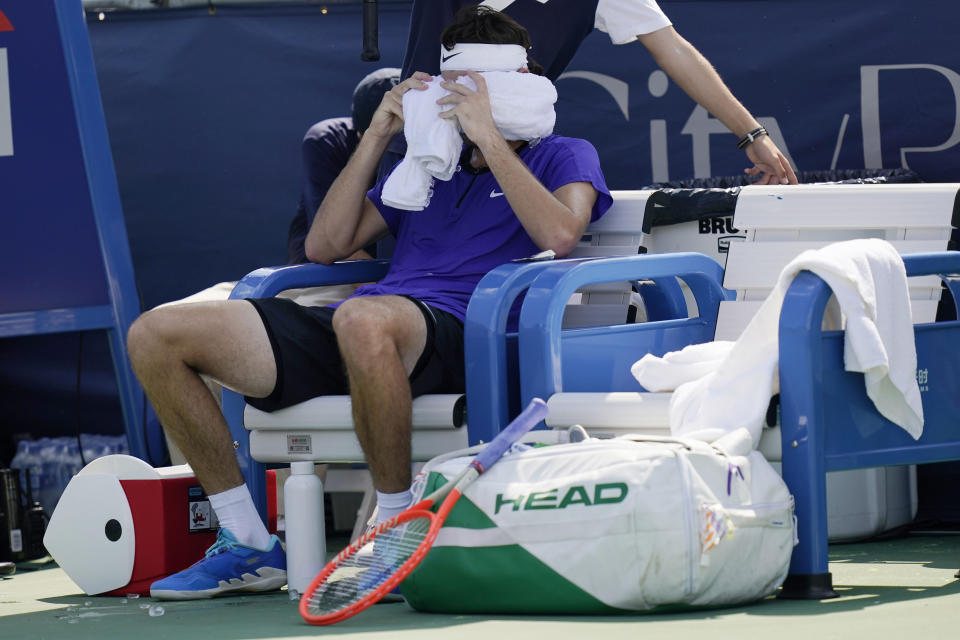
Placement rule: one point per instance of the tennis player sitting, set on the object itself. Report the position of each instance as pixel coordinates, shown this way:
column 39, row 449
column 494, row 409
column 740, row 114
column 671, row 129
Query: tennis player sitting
column 511, row 190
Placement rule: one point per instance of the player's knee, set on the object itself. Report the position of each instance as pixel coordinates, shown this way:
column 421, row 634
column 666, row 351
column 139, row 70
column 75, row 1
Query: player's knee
column 358, row 327
column 147, row 338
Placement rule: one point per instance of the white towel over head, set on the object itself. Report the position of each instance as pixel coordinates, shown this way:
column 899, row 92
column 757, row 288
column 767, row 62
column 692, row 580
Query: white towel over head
column 522, row 109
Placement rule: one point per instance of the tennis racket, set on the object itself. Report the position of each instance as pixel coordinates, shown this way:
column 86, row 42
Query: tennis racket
column 380, row 559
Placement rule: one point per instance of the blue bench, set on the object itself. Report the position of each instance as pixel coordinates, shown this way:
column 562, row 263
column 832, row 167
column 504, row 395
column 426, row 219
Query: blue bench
column 585, row 377
column 829, row 424
column 827, row 421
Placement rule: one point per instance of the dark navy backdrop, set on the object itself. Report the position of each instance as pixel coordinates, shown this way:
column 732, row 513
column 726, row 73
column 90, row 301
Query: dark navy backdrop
column 56, row 263
column 206, row 111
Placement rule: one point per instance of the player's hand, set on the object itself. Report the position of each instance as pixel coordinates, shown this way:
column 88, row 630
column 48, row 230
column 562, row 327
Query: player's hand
column 769, row 163
column 387, row 120
column 470, row 108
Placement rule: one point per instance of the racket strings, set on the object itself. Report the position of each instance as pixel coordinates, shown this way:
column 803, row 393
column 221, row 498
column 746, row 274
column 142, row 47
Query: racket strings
column 368, row 567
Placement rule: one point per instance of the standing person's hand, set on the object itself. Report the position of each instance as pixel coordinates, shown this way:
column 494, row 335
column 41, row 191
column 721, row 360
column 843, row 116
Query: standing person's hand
column 387, row 120
column 769, row 163
column 470, row 108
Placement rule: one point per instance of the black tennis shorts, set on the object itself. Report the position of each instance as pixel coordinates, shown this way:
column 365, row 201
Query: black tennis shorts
column 309, row 362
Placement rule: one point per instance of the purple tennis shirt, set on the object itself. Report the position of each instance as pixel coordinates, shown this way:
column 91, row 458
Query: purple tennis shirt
column 469, row 228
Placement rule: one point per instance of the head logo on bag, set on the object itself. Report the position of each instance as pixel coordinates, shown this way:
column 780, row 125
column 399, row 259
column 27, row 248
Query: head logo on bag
column 608, row 493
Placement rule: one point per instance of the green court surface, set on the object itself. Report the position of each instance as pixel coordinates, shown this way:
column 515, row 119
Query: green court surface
column 901, row 588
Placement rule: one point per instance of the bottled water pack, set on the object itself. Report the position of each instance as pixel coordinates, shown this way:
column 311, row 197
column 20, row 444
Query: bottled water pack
column 54, row 461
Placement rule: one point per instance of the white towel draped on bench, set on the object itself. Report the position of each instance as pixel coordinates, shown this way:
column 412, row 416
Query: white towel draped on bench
column 724, row 387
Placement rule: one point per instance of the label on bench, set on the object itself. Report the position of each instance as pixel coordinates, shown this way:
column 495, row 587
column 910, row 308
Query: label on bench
column 299, row 444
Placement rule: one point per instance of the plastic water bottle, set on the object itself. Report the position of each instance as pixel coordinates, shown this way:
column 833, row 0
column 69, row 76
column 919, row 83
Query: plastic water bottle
column 91, row 449
column 28, row 458
column 36, row 468
column 64, row 459
column 303, row 513
column 47, row 493
column 22, row 461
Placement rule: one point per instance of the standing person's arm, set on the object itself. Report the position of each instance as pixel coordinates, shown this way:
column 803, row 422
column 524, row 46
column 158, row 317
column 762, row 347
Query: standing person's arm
column 347, row 220
column 696, row 76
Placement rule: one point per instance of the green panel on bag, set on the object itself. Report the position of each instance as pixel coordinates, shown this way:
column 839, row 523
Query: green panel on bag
column 464, row 514
column 505, row 579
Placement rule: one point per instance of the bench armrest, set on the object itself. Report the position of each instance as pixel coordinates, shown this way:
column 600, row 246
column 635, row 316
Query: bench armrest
column 542, row 314
column 269, row 281
column 488, row 374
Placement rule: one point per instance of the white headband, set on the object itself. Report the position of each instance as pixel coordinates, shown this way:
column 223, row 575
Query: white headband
column 483, row 57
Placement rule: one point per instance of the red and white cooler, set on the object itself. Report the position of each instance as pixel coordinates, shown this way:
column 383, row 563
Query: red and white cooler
column 120, row 525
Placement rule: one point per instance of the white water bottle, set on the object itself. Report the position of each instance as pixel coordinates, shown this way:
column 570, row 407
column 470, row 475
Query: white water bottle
column 303, row 515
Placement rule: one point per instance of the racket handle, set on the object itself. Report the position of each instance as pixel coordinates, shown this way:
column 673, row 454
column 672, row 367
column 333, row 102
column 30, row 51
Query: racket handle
column 534, row 413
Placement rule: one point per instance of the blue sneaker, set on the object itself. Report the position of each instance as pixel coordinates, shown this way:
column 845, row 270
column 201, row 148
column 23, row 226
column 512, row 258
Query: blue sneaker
column 227, row 567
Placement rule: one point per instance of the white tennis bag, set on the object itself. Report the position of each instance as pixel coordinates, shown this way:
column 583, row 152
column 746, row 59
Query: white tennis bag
column 603, row 526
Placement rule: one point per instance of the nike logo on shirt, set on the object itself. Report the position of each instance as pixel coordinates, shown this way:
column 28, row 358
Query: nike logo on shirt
column 445, row 58
column 495, row 194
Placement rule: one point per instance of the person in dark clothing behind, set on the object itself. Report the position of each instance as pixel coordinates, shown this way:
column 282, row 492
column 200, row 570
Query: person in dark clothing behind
column 326, row 148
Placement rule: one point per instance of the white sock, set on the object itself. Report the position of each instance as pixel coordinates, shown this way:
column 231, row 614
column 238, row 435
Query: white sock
column 390, row 504
column 235, row 510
